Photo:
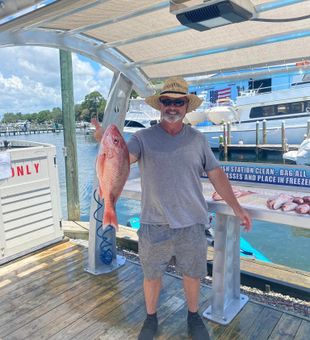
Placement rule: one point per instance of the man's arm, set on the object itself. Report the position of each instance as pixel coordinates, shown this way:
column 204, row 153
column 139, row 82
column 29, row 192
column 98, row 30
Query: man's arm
column 132, row 158
column 99, row 130
column 222, row 185
column 99, row 133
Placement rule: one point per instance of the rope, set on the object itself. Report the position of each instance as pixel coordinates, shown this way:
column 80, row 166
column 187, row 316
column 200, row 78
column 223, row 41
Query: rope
column 106, row 254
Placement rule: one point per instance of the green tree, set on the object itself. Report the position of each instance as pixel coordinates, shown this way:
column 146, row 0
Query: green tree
column 9, row 117
column 56, row 115
column 28, row 117
column 44, row 116
column 93, row 106
column 134, row 94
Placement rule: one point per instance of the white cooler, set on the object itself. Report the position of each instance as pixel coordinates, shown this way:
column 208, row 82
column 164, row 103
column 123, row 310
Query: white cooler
column 30, row 213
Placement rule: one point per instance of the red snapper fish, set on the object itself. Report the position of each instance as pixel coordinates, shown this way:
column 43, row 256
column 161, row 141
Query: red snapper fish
column 112, row 168
column 237, row 192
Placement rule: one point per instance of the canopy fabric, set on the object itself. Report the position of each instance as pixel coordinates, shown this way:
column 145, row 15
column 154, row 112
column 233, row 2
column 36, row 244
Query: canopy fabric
column 143, row 36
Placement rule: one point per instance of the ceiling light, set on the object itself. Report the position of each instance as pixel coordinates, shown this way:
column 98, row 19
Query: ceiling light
column 202, row 15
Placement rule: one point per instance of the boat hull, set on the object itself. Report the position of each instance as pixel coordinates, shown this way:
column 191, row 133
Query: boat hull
column 246, row 132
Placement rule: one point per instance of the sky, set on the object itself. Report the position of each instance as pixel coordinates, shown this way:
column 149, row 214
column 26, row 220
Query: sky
column 30, row 79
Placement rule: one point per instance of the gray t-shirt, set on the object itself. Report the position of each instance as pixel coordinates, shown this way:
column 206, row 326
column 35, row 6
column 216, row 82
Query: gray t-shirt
column 171, row 167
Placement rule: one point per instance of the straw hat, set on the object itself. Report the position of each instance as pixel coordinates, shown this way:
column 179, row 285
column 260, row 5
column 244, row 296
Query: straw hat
column 175, row 87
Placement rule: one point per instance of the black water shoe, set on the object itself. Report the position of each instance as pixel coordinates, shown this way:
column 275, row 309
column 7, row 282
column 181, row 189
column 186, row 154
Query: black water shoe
column 196, row 328
column 149, row 328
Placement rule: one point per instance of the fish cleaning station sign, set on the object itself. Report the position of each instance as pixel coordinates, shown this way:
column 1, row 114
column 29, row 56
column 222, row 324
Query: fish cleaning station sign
column 290, row 175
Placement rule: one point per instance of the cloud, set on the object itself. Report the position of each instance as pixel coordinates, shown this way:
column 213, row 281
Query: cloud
column 30, row 79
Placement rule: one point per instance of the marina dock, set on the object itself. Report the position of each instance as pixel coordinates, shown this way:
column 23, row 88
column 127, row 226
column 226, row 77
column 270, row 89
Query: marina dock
column 17, row 132
column 259, row 147
column 48, row 295
column 260, row 151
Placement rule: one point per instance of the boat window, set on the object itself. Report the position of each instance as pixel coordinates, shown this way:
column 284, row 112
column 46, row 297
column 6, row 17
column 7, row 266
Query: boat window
column 296, row 107
column 256, row 112
column 269, row 110
column 262, row 111
column 283, row 109
column 280, row 109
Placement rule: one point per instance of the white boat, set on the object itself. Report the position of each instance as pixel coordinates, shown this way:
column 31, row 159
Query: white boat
column 300, row 156
column 140, row 115
column 289, row 105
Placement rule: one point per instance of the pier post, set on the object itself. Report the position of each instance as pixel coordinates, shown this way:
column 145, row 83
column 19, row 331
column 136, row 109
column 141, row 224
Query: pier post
column 73, row 202
column 257, row 139
column 228, row 133
column 225, row 142
column 264, row 131
column 308, row 129
column 283, row 137
column 257, row 134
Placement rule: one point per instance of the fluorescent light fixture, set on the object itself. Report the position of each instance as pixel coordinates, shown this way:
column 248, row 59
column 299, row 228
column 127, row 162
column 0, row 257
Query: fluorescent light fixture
column 202, row 15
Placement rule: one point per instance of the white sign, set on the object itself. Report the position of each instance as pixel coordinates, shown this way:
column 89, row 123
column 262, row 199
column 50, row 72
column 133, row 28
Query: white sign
column 5, row 165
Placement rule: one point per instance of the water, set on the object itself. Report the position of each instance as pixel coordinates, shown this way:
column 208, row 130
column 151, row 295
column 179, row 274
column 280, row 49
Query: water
column 282, row 244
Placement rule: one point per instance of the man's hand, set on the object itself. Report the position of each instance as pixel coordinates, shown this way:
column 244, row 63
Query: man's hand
column 222, row 185
column 99, row 130
column 245, row 218
column 132, row 158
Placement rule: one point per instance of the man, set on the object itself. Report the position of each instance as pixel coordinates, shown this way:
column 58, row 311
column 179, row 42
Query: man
column 171, row 157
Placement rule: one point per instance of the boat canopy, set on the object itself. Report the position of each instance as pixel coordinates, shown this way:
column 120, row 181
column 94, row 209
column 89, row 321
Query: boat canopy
column 143, row 39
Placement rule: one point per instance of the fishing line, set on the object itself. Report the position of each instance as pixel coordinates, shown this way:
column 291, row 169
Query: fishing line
column 106, row 254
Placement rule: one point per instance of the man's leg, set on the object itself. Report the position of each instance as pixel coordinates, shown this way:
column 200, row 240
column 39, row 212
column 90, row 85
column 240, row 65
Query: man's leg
column 196, row 328
column 191, row 290
column 191, row 254
column 151, row 294
column 155, row 251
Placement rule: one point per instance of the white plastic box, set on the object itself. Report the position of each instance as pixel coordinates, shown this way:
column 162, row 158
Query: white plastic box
column 30, row 213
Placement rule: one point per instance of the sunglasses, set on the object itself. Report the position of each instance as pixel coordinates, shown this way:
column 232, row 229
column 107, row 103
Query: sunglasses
column 174, row 102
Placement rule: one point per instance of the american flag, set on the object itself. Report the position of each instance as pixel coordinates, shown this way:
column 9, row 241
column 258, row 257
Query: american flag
column 221, row 94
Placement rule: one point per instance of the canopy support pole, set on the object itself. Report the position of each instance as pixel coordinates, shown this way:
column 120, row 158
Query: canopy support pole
column 101, row 240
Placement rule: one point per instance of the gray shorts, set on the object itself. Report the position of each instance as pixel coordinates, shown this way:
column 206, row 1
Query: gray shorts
column 158, row 243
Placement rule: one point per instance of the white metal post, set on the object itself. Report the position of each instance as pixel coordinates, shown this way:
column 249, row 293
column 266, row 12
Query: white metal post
column 100, row 240
column 226, row 298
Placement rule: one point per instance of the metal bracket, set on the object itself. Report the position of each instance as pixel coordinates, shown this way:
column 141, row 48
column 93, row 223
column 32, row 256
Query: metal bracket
column 226, row 298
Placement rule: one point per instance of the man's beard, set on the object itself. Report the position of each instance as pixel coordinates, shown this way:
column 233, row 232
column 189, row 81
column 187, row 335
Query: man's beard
column 171, row 118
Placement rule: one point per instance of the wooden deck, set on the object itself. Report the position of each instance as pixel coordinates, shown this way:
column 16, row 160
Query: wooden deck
column 128, row 238
column 48, row 295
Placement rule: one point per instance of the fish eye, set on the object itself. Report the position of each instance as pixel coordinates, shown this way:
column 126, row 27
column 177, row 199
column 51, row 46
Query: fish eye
column 115, row 140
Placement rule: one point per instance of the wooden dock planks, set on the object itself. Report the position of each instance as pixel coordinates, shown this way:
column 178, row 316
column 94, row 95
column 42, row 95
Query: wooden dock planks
column 62, row 301
column 127, row 237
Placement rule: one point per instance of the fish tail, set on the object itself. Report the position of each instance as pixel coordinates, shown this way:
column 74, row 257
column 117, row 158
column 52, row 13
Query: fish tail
column 110, row 218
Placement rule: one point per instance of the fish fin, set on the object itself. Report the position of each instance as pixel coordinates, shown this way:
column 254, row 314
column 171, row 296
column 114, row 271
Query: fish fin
column 109, row 214
column 110, row 218
column 100, row 193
